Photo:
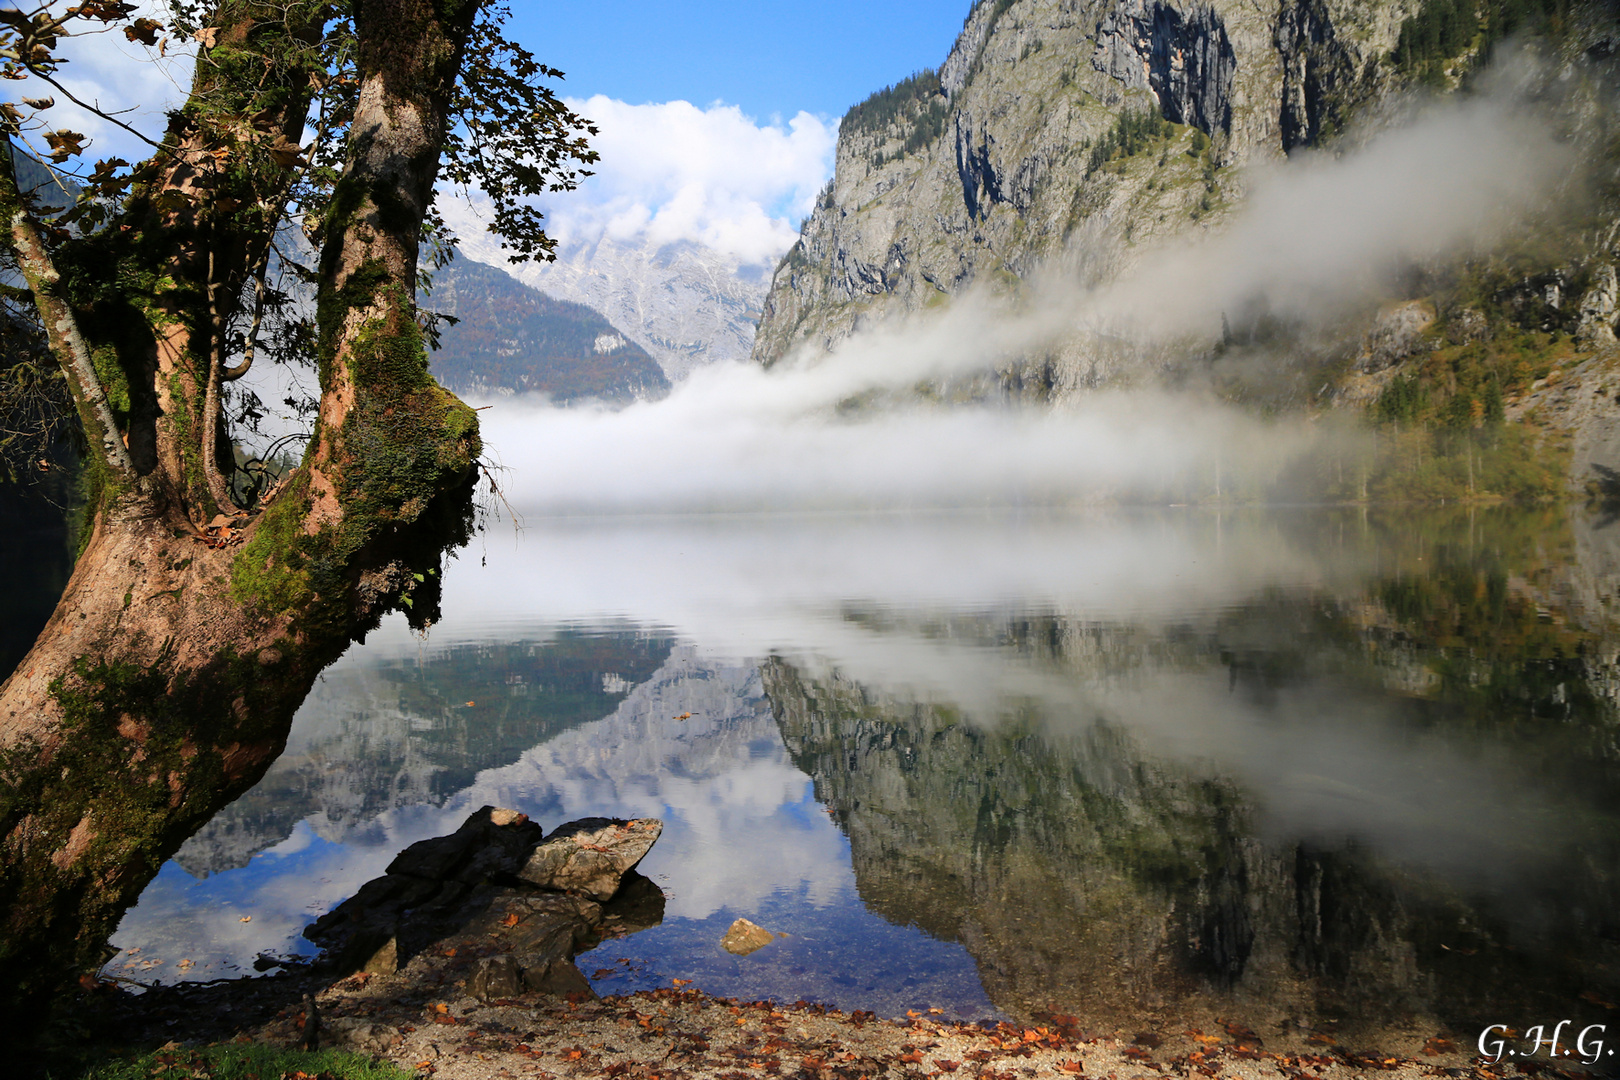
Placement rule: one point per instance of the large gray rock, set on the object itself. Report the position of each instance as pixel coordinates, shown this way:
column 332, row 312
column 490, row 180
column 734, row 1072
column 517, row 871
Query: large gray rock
column 1599, row 306
column 430, row 889
column 590, row 857
column 493, row 885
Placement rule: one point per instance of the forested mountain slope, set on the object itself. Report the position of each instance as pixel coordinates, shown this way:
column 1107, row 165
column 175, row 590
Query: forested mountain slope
column 510, row 338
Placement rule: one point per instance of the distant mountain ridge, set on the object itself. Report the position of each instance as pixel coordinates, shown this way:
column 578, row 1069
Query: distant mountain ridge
column 510, row 338
column 686, row 304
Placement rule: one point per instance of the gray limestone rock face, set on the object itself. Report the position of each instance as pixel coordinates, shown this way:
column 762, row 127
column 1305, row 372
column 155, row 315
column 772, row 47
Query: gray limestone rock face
column 1183, row 58
column 1396, row 334
column 591, row 856
column 1599, row 306
column 1011, row 184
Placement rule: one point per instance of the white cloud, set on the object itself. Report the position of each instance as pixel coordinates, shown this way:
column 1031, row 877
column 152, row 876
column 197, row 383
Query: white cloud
column 673, row 171
column 670, row 171
column 131, row 81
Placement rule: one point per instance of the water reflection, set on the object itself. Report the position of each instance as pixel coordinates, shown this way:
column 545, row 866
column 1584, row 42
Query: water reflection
column 1307, row 768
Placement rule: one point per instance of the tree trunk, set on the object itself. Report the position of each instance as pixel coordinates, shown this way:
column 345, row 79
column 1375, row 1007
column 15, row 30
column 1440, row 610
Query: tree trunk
column 165, row 682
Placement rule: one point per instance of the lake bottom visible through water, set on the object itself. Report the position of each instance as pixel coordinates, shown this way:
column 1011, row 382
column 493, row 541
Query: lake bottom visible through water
column 1316, row 771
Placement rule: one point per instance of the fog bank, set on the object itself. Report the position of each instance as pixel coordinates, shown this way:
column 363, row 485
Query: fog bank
column 1318, row 237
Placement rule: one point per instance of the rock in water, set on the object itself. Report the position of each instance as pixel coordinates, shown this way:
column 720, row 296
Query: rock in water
column 492, row 841
column 745, row 937
column 498, row 884
column 591, row 856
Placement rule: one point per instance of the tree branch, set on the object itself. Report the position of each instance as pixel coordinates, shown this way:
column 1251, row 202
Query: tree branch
column 217, row 487
column 62, row 328
column 95, row 109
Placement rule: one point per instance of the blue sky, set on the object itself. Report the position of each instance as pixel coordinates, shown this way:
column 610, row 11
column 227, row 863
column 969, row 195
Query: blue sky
column 719, row 118
column 769, row 59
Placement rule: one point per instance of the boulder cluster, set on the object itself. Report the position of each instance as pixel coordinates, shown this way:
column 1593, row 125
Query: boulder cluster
column 536, row 899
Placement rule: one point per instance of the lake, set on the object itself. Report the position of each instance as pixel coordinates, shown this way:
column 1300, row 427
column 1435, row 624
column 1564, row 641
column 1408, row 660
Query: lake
column 1337, row 771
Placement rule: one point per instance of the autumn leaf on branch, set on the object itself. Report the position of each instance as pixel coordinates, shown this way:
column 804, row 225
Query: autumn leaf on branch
column 144, row 31
column 102, row 9
column 64, row 144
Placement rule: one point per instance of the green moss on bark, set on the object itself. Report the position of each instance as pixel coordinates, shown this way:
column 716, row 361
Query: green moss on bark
column 141, row 760
column 271, row 572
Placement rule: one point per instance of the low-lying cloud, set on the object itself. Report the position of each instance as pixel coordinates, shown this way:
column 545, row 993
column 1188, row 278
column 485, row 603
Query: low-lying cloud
column 1322, row 233
column 1318, row 237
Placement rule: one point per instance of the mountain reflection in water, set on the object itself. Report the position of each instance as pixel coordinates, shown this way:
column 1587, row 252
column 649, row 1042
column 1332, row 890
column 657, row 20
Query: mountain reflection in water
column 1311, row 769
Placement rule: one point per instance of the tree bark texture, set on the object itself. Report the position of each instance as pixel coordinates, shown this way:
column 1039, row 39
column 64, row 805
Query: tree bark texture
column 165, row 682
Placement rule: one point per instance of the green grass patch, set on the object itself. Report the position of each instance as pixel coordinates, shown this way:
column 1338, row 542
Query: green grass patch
column 238, row 1061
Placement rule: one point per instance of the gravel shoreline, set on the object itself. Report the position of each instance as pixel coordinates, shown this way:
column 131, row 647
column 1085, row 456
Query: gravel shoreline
column 422, row 1019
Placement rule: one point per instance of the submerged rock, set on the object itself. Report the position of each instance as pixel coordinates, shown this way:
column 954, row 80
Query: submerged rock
column 745, row 937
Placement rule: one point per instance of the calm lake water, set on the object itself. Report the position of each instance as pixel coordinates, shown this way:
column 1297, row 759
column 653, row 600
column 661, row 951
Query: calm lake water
column 1322, row 770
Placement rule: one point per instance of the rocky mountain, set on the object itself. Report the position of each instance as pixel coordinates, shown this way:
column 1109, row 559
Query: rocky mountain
column 685, row 304
column 1080, row 133
column 509, row 338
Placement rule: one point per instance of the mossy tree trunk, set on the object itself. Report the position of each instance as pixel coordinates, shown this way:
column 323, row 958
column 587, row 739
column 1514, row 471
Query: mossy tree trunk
column 165, row 682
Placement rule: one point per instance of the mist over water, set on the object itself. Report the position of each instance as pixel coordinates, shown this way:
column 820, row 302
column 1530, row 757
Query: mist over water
column 1253, row 687
column 916, row 610
column 1318, row 237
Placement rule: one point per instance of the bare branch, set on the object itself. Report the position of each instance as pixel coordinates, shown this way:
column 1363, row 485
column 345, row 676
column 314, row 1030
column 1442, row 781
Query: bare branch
column 111, row 118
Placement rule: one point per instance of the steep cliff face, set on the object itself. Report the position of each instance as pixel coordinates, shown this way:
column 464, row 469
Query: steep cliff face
column 995, row 165
column 1078, row 134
